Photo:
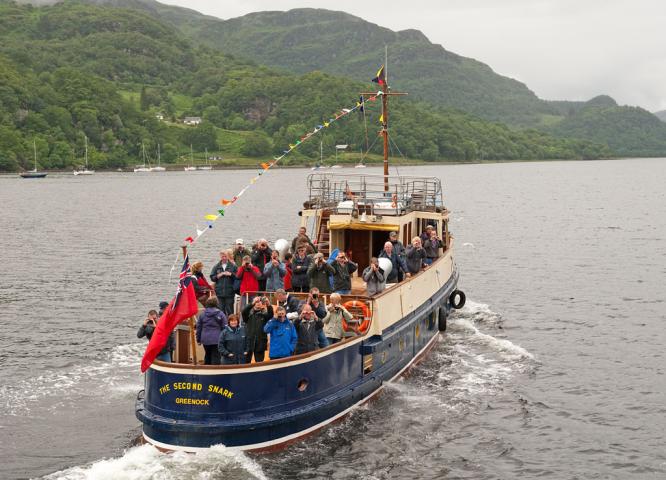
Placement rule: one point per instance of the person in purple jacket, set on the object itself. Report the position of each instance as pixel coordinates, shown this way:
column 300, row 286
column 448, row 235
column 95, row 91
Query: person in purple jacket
column 210, row 324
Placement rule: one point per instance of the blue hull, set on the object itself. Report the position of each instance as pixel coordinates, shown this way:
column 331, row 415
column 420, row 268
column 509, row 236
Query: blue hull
column 261, row 407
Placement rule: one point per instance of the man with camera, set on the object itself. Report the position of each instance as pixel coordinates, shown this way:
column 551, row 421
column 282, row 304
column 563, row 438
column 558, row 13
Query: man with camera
column 249, row 276
column 416, row 256
column 318, row 273
column 148, row 328
column 255, row 317
column 343, row 271
column 261, row 256
column 374, row 277
column 333, row 319
column 431, row 247
column 307, row 327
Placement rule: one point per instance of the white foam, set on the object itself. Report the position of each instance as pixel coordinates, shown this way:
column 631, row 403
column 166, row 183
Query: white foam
column 119, row 372
column 506, row 347
column 146, row 462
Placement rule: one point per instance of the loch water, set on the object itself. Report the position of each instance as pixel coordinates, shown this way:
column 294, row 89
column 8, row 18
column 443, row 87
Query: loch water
column 554, row 369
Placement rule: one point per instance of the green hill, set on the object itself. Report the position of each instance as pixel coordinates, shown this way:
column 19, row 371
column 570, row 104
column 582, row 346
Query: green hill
column 661, row 115
column 74, row 69
column 628, row 131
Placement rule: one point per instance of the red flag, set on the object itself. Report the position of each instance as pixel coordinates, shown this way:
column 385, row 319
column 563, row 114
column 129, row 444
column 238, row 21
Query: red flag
column 183, row 306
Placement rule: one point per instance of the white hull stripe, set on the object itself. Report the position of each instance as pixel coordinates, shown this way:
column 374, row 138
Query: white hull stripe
column 293, row 436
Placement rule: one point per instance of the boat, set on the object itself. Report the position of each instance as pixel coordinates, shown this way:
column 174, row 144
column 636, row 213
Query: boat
column 159, row 167
column 34, row 173
column 142, row 168
column 186, row 406
column 207, row 165
column 190, row 167
column 85, row 170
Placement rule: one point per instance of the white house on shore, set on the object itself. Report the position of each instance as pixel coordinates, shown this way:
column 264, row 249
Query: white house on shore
column 192, row 120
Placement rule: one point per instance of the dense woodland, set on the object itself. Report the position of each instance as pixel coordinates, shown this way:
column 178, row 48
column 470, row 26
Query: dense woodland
column 75, row 70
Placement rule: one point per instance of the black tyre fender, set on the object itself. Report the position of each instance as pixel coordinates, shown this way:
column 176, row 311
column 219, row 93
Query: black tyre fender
column 441, row 324
column 457, row 299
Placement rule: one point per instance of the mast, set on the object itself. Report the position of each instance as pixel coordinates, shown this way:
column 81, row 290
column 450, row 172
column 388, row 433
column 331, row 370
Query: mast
column 34, row 147
column 86, row 154
column 159, row 158
column 385, row 93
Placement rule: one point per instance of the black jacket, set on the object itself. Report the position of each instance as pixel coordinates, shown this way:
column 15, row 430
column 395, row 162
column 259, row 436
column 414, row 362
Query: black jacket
column 342, row 275
column 224, row 286
column 254, row 323
column 308, row 335
column 299, row 268
column 233, row 340
column 147, row 332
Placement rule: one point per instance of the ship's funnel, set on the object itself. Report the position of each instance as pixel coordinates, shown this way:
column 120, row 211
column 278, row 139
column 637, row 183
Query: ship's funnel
column 386, row 265
column 281, row 246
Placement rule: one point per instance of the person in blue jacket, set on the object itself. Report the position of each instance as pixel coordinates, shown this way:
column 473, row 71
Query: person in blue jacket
column 233, row 342
column 283, row 335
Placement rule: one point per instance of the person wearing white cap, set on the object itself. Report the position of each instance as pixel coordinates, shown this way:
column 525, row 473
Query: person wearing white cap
column 240, row 251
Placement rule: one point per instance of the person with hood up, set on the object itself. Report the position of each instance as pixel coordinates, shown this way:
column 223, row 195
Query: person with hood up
column 209, row 326
column 249, row 276
column 283, row 335
column 233, row 342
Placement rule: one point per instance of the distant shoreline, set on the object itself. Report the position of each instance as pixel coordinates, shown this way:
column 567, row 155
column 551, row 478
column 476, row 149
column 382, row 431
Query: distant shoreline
column 408, row 163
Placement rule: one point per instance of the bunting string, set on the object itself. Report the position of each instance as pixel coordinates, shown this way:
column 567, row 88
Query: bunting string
column 226, row 203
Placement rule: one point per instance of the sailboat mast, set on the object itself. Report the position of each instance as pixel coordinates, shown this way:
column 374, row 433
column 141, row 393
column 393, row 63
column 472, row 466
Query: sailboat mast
column 159, row 157
column 86, row 150
column 34, row 147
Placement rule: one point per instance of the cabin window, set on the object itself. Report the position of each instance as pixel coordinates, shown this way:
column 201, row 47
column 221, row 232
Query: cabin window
column 384, row 356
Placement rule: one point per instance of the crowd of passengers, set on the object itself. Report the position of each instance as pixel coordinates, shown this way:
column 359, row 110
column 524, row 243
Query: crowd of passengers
column 295, row 326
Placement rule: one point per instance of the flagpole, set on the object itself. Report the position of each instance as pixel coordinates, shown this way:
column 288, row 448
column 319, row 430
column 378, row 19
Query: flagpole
column 191, row 320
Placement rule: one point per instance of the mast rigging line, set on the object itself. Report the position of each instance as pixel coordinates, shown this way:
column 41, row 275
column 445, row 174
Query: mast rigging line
column 267, row 166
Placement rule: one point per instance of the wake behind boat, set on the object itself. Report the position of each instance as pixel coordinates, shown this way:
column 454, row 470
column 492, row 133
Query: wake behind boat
column 265, row 405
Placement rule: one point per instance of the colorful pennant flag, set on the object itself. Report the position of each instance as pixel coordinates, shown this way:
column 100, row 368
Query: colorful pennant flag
column 265, row 166
column 381, row 118
column 221, row 212
column 189, row 240
column 211, row 217
column 381, row 77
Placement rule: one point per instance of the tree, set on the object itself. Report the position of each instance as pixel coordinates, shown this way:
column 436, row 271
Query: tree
column 256, row 145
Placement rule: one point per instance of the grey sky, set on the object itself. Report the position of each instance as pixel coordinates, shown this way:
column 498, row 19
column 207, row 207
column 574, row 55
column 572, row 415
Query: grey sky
column 562, row 49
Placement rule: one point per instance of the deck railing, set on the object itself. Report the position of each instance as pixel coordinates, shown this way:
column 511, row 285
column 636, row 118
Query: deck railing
column 405, row 193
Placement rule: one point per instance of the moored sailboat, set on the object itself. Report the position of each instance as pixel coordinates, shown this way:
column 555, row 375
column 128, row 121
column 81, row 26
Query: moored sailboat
column 34, row 173
column 262, row 406
column 85, row 170
column 159, row 167
column 143, row 168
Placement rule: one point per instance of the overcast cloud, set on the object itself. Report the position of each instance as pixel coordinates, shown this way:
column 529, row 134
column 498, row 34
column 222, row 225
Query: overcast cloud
column 562, row 49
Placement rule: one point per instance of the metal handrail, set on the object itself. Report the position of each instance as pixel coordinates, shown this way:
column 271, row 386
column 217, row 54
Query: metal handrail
column 327, row 190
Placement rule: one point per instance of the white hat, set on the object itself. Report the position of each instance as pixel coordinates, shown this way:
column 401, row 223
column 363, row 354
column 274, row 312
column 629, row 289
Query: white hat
column 239, row 241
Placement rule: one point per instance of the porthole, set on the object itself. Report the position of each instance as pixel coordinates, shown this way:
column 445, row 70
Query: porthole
column 303, row 384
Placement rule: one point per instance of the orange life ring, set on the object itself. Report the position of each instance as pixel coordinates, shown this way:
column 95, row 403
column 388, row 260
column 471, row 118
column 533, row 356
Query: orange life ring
column 394, row 200
column 367, row 317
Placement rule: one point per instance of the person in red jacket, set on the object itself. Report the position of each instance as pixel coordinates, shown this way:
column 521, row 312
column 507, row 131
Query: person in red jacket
column 202, row 288
column 249, row 276
column 287, row 278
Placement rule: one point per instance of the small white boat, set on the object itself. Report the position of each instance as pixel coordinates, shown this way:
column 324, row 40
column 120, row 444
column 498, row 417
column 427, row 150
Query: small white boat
column 360, row 165
column 159, row 167
column 190, row 167
column 207, row 165
column 84, row 170
column 142, row 168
